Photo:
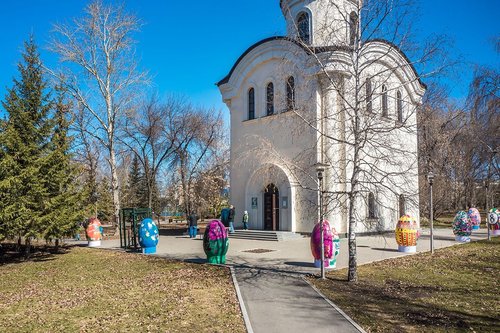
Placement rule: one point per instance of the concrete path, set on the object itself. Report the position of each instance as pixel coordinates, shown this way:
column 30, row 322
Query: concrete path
column 274, row 293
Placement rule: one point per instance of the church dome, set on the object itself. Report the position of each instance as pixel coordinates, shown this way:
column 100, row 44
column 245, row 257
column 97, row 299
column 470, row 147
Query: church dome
column 321, row 22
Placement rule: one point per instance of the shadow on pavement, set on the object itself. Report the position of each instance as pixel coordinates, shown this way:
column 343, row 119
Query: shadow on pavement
column 299, row 263
column 384, row 249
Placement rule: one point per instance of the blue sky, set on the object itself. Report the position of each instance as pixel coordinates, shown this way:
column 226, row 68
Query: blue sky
column 190, row 45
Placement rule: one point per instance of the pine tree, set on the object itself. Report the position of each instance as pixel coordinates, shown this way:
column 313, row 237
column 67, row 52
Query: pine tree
column 24, row 141
column 64, row 207
column 136, row 186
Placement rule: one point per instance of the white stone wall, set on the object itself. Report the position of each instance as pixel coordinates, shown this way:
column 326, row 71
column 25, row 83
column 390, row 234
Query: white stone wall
column 329, row 19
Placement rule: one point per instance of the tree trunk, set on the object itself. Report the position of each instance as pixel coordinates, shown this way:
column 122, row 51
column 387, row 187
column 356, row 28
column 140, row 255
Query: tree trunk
column 114, row 188
column 353, row 265
column 19, row 244
column 27, row 248
column 57, row 245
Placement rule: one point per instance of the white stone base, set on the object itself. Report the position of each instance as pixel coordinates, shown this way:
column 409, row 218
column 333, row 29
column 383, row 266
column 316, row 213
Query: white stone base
column 495, row 232
column 317, row 263
column 407, row 249
column 462, row 239
column 94, row 243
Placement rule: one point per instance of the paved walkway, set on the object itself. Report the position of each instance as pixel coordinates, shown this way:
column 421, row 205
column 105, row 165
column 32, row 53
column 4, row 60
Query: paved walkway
column 275, row 295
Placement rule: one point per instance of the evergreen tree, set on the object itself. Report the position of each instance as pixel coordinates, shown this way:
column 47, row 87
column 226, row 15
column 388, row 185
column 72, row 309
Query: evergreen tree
column 24, row 142
column 64, row 206
column 136, row 186
column 104, row 201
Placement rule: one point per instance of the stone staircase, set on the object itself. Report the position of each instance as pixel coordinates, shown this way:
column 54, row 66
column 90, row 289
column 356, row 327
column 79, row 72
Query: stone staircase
column 272, row 236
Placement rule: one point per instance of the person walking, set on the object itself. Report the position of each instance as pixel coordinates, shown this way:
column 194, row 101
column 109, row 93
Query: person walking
column 193, row 225
column 245, row 220
column 232, row 212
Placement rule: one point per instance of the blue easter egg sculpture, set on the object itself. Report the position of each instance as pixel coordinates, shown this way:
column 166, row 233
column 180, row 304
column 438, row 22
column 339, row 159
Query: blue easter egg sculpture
column 148, row 236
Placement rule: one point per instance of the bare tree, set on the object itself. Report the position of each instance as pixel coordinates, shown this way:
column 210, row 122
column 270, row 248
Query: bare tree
column 101, row 73
column 367, row 124
column 197, row 147
column 151, row 134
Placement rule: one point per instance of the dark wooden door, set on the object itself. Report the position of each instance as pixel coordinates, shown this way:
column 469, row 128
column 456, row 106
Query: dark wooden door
column 271, row 208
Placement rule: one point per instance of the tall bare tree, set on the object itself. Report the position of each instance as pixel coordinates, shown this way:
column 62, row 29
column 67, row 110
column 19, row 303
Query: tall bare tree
column 151, row 134
column 367, row 124
column 101, row 73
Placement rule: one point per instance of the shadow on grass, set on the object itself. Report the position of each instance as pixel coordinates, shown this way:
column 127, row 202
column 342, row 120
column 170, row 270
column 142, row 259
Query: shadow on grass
column 38, row 253
column 370, row 303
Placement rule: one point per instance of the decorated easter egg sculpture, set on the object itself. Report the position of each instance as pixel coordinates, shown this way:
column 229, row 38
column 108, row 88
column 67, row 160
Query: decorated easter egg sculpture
column 494, row 221
column 215, row 242
column 475, row 218
column 331, row 245
column 94, row 232
column 462, row 227
column 407, row 234
column 148, row 236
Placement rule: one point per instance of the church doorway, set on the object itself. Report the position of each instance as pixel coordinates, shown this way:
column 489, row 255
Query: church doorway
column 271, row 208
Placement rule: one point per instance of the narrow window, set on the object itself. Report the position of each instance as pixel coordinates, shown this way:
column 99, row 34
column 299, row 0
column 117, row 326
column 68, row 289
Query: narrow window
column 303, row 25
column 270, row 99
column 251, row 104
column 399, row 106
column 353, row 28
column 290, row 94
column 371, row 206
column 402, row 205
column 385, row 111
column 368, row 98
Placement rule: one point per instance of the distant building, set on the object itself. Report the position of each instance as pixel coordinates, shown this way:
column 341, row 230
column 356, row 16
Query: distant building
column 273, row 151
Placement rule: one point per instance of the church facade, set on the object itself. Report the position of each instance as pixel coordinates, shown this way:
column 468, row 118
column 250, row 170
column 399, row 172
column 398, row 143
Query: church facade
column 293, row 102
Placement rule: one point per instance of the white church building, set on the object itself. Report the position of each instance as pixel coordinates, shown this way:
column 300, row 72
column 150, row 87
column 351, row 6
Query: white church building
column 293, row 103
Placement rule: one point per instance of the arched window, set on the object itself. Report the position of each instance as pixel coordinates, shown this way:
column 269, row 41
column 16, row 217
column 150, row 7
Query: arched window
column 304, row 27
column 402, row 205
column 371, row 206
column 353, row 28
column 251, row 104
column 399, row 106
column 385, row 111
column 270, row 99
column 368, row 97
column 290, row 94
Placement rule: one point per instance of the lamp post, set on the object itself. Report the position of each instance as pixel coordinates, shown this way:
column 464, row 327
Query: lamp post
column 320, row 168
column 430, row 179
column 486, row 185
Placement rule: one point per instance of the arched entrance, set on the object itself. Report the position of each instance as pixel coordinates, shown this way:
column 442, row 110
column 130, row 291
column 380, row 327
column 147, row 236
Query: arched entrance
column 271, row 208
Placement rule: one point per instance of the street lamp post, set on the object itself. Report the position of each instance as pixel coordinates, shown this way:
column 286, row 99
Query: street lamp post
column 430, row 179
column 486, row 185
column 320, row 168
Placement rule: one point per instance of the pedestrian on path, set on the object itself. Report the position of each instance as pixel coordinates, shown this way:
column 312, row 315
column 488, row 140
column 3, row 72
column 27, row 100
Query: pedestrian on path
column 232, row 212
column 245, row 220
column 193, row 225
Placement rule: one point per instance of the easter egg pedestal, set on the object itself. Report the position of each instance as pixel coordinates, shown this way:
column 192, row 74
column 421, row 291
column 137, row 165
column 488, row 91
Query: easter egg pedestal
column 328, row 263
column 95, row 243
column 149, row 250
column 407, row 249
column 495, row 232
column 462, row 239
column 217, row 260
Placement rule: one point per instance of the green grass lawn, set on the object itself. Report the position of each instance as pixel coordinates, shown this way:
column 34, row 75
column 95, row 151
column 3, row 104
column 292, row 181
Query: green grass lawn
column 86, row 290
column 455, row 290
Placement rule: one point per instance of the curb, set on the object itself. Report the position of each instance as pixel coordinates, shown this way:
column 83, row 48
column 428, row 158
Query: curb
column 333, row 305
column 248, row 325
